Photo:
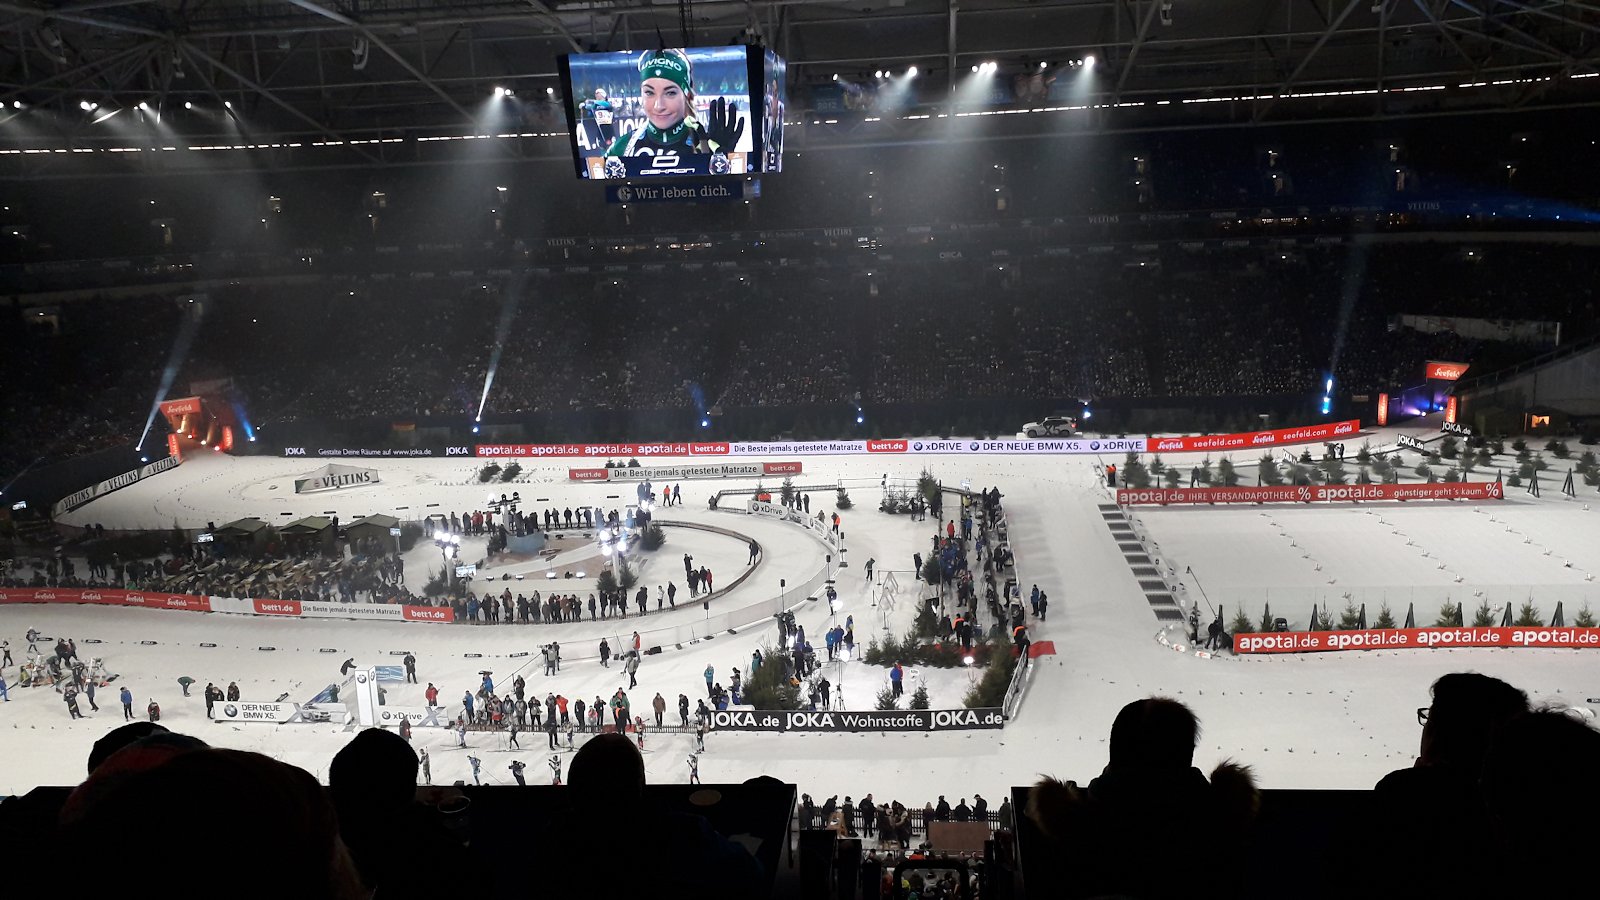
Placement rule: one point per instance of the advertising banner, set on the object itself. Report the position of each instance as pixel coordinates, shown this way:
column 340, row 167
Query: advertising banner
column 1383, row 410
column 276, row 607
column 277, row 713
column 351, row 611
column 1445, row 371
column 108, row 596
column 420, row 716
column 1307, row 435
column 912, row 720
column 428, row 613
column 818, row 448
column 1417, row 638
column 675, row 473
column 378, row 452
column 184, row 407
column 1313, row 493
column 1450, row 411
column 333, row 476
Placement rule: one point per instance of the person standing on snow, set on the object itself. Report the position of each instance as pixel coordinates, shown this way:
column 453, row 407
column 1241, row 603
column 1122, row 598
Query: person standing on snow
column 427, row 766
column 683, row 710
column 694, row 768
column 516, row 768
column 660, row 707
column 633, row 671
column 126, row 696
column 476, row 764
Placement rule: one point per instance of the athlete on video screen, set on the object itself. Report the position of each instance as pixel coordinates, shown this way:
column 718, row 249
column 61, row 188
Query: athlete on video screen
column 666, row 95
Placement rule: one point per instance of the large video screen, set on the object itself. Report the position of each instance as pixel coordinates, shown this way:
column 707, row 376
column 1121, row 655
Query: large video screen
column 675, row 111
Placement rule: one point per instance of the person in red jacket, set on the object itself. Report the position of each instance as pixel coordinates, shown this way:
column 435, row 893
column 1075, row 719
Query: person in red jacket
column 432, row 693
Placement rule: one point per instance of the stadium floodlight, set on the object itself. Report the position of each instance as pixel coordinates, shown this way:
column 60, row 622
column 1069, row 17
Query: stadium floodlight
column 188, row 104
column 85, row 105
column 16, row 104
column 227, row 104
column 974, row 69
column 1043, row 64
column 836, row 76
column 878, row 74
column 911, row 72
column 499, row 91
column 1088, row 61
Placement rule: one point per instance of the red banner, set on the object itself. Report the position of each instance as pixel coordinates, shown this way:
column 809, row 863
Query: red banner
column 596, row 450
column 1306, row 435
column 1450, row 410
column 1383, row 410
column 276, row 607
column 1416, row 638
column 184, row 407
column 896, row 445
column 1313, row 493
column 428, row 613
column 588, row 474
column 108, row 596
column 1445, row 371
column 172, row 447
column 785, row 468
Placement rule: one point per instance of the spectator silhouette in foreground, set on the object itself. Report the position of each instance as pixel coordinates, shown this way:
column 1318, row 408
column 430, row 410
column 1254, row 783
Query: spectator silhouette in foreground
column 373, row 784
column 248, row 799
column 1428, row 806
column 684, row 856
column 1540, row 791
column 1149, row 787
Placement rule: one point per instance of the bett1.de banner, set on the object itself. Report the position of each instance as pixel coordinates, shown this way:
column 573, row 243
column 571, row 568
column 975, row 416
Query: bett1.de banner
column 1418, row 639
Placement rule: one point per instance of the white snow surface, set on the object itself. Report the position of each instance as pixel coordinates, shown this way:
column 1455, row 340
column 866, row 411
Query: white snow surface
column 1321, row 720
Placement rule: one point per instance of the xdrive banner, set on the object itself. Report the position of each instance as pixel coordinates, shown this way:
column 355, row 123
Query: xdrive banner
column 867, row 720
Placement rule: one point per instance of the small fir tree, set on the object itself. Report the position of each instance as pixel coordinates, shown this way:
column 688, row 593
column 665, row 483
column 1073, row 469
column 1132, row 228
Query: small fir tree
column 1157, row 467
column 1585, row 618
column 1451, row 476
column 1364, row 455
column 919, row 697
column 1422, row 471
column 886, row 699
column 1173, row 478
column 1447, row 616
column 1325, row 620
column 786, row 491
column 1226, row 474
column 1241, row 623
column 1483, row 616
column 1519, row 445
column 1528, row 615
column 1350, row 617
column 1268, row 467
column 842, row 500
column 1484, row 457
column 1449, row 448
column 1385, row 618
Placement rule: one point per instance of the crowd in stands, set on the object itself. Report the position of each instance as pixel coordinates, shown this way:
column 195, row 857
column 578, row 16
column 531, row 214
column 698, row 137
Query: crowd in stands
column 1175, row 322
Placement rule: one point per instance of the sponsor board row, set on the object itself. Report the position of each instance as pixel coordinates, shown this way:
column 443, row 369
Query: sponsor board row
column 256, row 607
column 1416, row 638
column 1312, row 493
column 1307, row 435
column 819, row 528
column 686, row 473
column 816, row 448
column 866, row 720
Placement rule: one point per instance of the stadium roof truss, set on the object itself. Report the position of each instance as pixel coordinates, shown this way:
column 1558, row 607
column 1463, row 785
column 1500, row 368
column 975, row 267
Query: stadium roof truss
column 341, row 70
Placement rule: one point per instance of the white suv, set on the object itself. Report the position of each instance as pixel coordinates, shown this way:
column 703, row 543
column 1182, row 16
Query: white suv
column 1051, row 426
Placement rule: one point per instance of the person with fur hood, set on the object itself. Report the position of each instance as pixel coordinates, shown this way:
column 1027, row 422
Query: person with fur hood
column 1150, row 787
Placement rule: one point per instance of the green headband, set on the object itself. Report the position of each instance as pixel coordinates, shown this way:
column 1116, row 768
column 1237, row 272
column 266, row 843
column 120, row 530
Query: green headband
column 673, row 67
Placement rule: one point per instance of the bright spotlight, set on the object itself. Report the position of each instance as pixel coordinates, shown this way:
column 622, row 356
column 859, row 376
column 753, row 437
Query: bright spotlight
column 144, row 459
column 1043, row 65
column 705, row 423
column 85, row 105
column 1088, row 62
column 143, row 106
column 499, row 91
column 16, row 104
column 188, row 104
column 550, row 91
column 911, row 72
column 974, row 69
column 227, row 104
column 878, row 74
column 474, row 429
column 836, row 76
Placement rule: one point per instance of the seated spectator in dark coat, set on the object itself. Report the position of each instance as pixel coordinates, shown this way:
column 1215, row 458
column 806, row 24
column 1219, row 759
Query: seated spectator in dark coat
column 1539, row 790
column 246, row 799
column 1150, row 787
column 373, row 784
column 1428, row 806
column 681, row 853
